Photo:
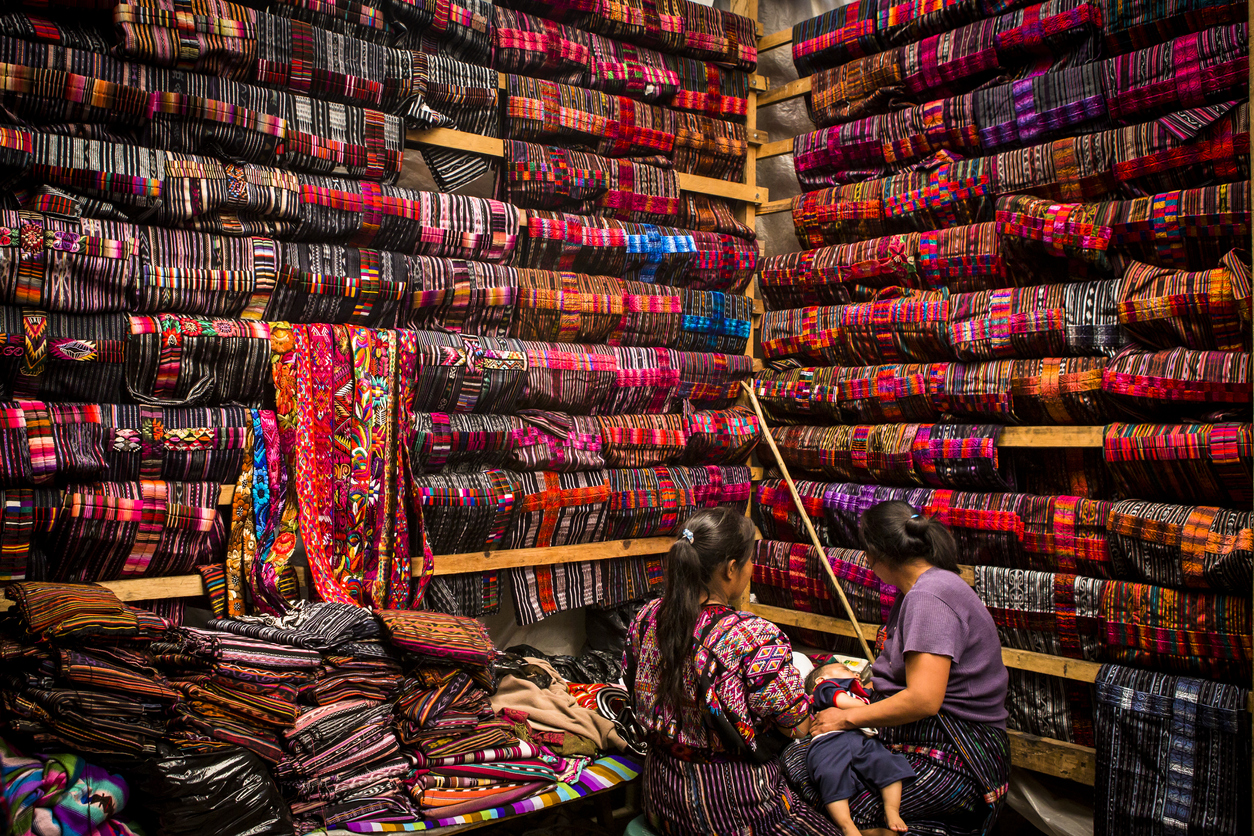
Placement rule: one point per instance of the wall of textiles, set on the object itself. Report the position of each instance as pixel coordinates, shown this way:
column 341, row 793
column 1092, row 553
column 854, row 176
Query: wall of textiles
column 238, row 348
column 1036, row 215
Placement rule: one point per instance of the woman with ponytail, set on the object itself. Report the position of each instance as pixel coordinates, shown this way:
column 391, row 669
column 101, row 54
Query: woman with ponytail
column 715, row 689
column 939, row 684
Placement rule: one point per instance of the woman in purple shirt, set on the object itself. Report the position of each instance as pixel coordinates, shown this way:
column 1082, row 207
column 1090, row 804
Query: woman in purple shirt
column 939, row 683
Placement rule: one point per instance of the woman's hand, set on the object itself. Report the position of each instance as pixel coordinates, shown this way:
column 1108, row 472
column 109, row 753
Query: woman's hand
column 830, row 720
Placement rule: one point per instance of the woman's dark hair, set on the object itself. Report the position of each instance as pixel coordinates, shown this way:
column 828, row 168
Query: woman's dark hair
column 719, row 535
column 895, row 533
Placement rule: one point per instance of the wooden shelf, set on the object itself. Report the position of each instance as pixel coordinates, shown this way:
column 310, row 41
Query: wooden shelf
column 775, row 40
column 1051, row 437
column 775, row 149
column 1053, row 757
column 772, row 207
column 454, row 564
column 792, row 90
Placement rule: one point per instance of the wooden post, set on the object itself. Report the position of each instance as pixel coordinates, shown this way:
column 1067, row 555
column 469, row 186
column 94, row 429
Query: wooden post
column 805, row 518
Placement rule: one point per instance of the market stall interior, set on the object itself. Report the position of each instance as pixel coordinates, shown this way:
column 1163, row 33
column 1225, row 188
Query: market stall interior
column 363, row 360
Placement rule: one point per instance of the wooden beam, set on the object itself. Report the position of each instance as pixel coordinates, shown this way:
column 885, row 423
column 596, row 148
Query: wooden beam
column 792, row 90
column 772, row 207
column 454, row 564
column 812, row 621
column 147, row 589
column 1053, row 757
column 1051, row 437
column 775, row 149
column 757, row 138
column 775, row 40
column 759, row 83
column 721, row 188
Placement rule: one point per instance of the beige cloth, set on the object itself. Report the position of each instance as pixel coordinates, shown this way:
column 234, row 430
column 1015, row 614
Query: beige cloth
column 554, row 709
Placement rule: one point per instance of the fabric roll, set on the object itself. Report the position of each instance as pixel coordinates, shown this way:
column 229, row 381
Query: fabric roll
column 540, row 177
column 706, row 213
column 185, row 360
column 714, row 321
column 710, row 381
column 185, row 112
column 112, row 530
column 1178, row 382
column 723, row 262
column 468, row 512
column 1044, row 321
column 642, row 440
column 1062, row 102
column 1129, row 26
column 205, row 444
column 710, row 147
column 961, row 456
column 862, row 87
column 1140, row 159
column 328, row 283
column 60, row 357
column 1061, row 390
column 854, row 394
column 647, row 502
column 720, row 437
column 776, row 516
column 566, row 307
column 646, row 380
column 558, row 509
column 1157, row 718
column 1182, row 546
column 1166, row 308
column 45, row 442
column 1205, row 462
column 789, row 575
column 913, row 327
column 548, row 113
column 461, row 441
column 836, row 275
column 555, row 441
column 460, row 296
column 566, row 378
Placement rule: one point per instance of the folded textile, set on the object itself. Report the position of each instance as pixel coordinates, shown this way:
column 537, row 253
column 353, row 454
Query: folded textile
column 555, row 441
column 554, row 708
column 1179, row 383
column 1182, row 546
column 1151, row 718
column 1208, row 463
column 1166, row 308
column 315, row 625
column 60, row 793
column 789, row 575
column 44, row 605
column 558, row 509
column 447, row 639
column 1050, row 706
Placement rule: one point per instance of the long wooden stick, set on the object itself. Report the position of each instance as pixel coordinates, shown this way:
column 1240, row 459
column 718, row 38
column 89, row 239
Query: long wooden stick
column 814, row 535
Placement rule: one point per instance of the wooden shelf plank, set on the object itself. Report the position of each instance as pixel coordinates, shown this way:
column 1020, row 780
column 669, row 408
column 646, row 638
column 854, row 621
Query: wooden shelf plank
column 759, row 83
column 1053, row 757
column 721, row 188
column 775, row 40
column 453, row 564
column 774, row 206
column 792, row 90
column 775, row 149
column 1051, row 437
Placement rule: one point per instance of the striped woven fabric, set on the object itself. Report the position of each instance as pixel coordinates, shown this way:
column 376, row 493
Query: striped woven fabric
column 1165, row 308
column 776, row 516
column 1191, row 229
column 705, row 213
column 461, row 96
column 648, row 502
column 723, row 262
column 836, row 275
column 720, row 437
column 539, row 177
column 334, row 284
column 1050, row 706
column 187, row 361
column 42, row 606
column 853, row 394
column 642, row 440
column 558, row 509
column 556, row 441
column 112, row 530
column 550, row 113
column 1209, row 463
column 1204, row 144
column 1045, row 321
column 1182, row 546
column 445, row 639
column 650, row 380
column 187, row 112
column 1192, row 724
column 467, row 374
column 26, row 516
column 711, row 381
column 913, row 326
column 58, row 357
column 709, row 89
column 1130, row 25
column 863, row 87
column 714, row 321
column 235, row 42
column 566, row 307
column 460, row 296
column 1065, row 101
column 185, row 444
column 789, row 575
column 1058, row 614
column 460, row 441
column 1063, row 390
column 710, row 147
column 1179, row 382
column 43, row 442
column 939, row 455
column 673, row 26
column 870, row 26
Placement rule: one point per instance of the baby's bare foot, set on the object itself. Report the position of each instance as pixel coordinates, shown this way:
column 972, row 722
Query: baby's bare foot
column 895, row 823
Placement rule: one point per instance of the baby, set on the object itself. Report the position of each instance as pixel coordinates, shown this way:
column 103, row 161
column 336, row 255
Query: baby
column 844, row 764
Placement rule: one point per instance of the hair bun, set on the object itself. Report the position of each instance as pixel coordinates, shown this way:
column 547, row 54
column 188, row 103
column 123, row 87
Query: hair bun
column 917, row 525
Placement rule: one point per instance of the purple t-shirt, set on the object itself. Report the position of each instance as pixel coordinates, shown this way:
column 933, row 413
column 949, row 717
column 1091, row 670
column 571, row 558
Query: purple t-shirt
column 941, row 614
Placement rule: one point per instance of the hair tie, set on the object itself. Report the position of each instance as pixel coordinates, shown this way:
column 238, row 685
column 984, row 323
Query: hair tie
column 687, row 535
column 914, row 516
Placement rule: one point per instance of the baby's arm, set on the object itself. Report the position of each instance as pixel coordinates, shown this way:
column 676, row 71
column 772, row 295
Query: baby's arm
column 846, row 700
